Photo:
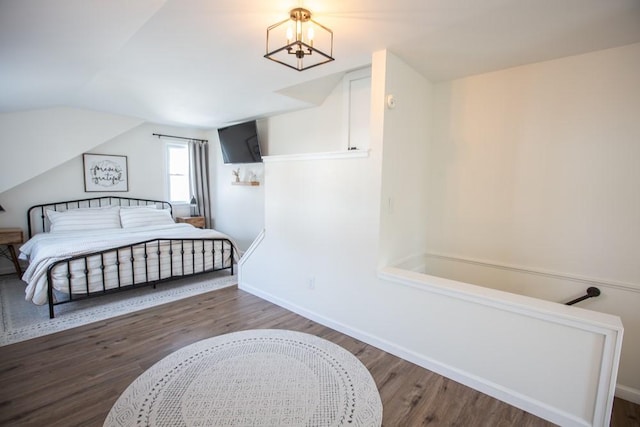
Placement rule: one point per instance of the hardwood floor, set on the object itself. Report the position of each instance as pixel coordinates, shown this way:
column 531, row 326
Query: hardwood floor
column 72, row 378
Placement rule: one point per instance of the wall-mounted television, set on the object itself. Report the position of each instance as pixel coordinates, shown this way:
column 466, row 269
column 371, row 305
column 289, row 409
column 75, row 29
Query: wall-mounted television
column 239, row 143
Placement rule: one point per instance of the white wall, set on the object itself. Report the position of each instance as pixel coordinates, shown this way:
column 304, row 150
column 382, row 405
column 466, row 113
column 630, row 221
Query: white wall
column 319, row 257
column 404, row 163
column 35, row 141
column 536, row 168
column 320, row 246
column 306, row 131
column 238, row 211
column 615, row 299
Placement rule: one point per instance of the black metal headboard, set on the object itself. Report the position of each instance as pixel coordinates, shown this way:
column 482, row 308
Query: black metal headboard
column 37, row 219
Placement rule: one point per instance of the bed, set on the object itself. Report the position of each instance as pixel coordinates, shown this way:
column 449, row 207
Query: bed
column 85, row 248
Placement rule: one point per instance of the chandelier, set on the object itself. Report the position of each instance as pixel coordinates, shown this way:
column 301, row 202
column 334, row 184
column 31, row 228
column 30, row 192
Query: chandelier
column 308, row 43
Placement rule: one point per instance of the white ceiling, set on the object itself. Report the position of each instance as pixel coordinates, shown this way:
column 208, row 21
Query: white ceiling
column 200, row 62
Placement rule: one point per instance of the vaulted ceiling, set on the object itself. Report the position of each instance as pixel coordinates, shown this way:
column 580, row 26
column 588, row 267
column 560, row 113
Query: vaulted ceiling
column 200, row 62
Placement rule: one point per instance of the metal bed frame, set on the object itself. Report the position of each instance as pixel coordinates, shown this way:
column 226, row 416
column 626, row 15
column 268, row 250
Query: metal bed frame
column 176, row 250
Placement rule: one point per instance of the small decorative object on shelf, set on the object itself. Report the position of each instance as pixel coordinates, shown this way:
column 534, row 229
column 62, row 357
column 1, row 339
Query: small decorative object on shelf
column 253, row 179
column 196, row 221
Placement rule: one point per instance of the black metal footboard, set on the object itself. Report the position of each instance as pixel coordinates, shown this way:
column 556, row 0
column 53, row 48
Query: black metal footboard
column 135, row 265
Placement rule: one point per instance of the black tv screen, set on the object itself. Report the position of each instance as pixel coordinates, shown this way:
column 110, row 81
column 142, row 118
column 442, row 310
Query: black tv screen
column 239, row 143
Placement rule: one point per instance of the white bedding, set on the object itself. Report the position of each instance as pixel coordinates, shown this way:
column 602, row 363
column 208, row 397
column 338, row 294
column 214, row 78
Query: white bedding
column 46, row 248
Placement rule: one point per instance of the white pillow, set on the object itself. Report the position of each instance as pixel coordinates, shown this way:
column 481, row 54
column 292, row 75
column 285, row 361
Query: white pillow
column 132, row 217
column 84, row 219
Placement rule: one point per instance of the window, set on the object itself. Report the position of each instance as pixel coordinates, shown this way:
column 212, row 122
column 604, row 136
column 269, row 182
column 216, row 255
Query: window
column 178, row 173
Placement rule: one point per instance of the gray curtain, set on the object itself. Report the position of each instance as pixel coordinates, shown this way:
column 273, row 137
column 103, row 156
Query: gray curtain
column 199, row 154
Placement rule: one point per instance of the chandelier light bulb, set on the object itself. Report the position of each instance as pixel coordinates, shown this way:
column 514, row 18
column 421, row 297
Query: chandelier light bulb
column 310, row 35
column 289, row 35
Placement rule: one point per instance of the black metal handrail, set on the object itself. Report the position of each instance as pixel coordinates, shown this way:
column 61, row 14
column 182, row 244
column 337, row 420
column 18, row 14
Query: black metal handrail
column 592, row 292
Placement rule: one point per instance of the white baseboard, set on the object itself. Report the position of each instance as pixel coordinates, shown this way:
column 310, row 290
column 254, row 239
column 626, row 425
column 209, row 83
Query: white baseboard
column 482, row 385
column 628, row 393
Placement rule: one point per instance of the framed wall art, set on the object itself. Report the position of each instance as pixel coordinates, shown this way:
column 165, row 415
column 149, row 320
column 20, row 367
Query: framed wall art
column 103, row 172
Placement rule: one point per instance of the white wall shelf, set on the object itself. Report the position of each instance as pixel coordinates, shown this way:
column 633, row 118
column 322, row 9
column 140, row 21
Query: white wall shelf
column 247, row 183
column 348, row 154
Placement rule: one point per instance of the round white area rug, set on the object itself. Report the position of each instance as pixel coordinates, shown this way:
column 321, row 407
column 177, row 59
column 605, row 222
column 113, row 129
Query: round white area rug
column 260, row 377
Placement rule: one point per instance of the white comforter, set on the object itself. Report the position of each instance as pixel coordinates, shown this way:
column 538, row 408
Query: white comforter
column 46, row 248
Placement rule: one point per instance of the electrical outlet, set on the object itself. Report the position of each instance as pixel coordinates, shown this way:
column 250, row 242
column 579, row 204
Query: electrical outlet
column 311, row 283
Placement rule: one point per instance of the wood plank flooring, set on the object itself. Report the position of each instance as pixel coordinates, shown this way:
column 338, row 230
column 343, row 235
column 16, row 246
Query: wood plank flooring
column 72, row 378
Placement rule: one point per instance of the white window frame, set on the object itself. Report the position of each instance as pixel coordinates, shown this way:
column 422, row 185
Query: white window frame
column 167, row 179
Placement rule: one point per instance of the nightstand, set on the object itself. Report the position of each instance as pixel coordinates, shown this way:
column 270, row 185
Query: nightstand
column 10, row 237
column 196, row 221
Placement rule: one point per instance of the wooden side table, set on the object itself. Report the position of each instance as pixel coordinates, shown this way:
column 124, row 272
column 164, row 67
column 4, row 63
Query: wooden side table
column 10, row 237
column 196, row 221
